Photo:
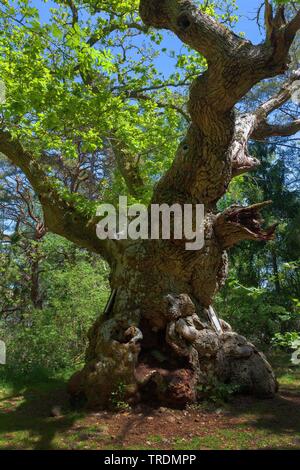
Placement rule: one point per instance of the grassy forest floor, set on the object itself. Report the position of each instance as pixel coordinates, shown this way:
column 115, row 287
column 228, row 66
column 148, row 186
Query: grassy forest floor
column 26, row 420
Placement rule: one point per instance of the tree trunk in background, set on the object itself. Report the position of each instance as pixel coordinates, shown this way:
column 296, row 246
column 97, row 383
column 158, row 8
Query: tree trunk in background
column 275, row 271
column 157, row 344
column 35, row 294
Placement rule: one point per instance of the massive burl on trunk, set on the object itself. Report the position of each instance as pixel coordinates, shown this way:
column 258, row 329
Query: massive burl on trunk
column 157, row 343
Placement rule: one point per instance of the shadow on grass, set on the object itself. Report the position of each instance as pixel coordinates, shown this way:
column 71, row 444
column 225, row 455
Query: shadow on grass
column 280, row 416
column 25, row 413
column 26, row 422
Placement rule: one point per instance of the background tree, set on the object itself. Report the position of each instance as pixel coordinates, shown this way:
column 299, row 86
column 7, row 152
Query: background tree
column 45, row 313
column 260, row 297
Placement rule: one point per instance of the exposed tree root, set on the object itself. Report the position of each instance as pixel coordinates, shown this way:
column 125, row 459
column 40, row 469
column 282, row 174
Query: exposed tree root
column 174, row 371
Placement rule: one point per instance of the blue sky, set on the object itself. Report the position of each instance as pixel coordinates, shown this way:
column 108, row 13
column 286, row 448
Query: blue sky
column 247, row 11
column 247, row 24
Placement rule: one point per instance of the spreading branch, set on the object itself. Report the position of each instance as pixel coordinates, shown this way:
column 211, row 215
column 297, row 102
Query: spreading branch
column 266, row 130
column 280, row 98
column 26, row 198
column 273, row 22
column 215, row 147
column 242, row 223
column 235, row 65
column 105, row 31
column 261, row 128
column 160, row 104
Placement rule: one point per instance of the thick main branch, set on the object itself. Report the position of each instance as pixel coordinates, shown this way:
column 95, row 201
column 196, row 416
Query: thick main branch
column 193, row 27
column 215, row 147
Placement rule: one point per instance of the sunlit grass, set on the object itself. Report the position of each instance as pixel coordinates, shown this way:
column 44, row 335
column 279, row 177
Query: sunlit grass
column 26, row 421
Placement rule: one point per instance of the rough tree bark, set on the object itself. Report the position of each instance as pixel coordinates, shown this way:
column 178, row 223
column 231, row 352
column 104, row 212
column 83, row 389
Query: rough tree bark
column 156, row 341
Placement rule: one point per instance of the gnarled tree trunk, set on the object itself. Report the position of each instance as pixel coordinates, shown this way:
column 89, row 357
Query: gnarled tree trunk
column 156, row 341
